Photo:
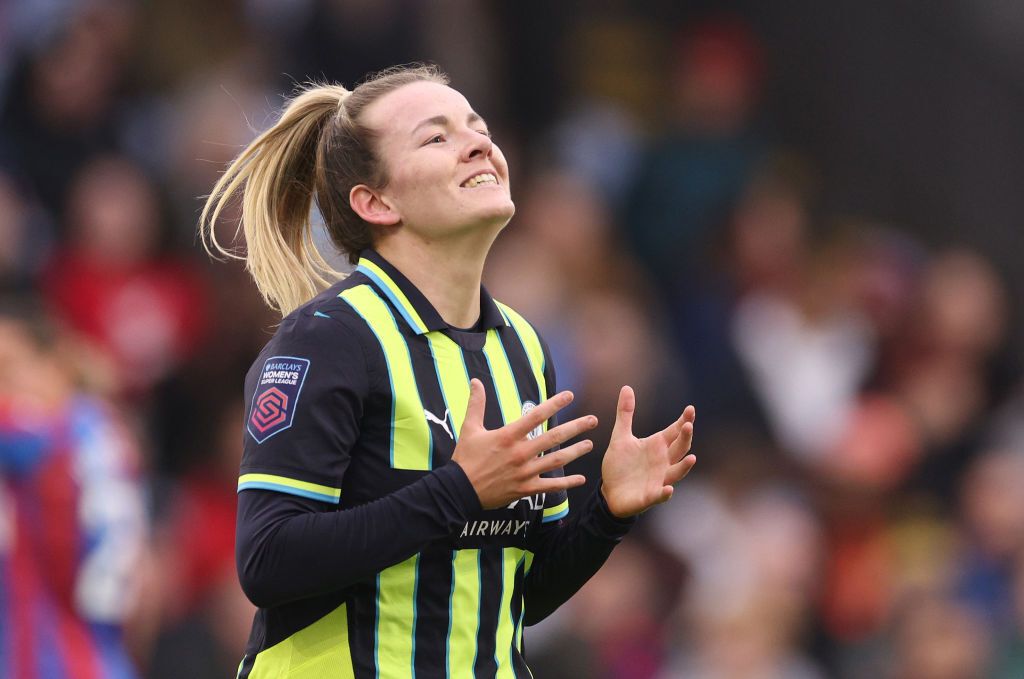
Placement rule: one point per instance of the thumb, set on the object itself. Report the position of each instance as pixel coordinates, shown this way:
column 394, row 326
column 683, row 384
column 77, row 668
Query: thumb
column 624, row 413
column 476, row 405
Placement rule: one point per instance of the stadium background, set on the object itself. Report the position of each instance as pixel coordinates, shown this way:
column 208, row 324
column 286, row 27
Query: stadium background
column 800, row 216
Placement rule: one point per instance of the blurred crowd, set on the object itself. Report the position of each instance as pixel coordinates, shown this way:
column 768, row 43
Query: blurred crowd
column 857, row 507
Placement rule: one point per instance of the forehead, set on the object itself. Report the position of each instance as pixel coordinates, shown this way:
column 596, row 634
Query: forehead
column 400, row 111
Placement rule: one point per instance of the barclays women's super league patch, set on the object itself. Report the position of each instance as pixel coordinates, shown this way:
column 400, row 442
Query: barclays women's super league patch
column 277, row 396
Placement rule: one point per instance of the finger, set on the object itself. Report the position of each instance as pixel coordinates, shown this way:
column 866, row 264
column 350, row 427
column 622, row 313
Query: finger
column 542, row 413
column 560, row 458
column 681, row 446
column 563, row 433
column 624, row 412
column 678, row 471
column 671, row 433
column 476, row 406
column 545, row 484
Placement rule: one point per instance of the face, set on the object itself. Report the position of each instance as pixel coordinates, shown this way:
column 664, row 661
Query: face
column 445, row 175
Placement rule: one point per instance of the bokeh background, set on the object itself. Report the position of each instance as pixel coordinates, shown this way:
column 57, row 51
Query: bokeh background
column 801, row 216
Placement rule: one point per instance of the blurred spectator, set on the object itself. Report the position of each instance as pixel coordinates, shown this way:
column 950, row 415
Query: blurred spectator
column 939, row 638
column 60, row 108
column 949, row 364
column 617, row 82
column 205, row 617
column 993, row 509
column 689, row 178
column 111, row 282
column 755, row 559
column 71, row 511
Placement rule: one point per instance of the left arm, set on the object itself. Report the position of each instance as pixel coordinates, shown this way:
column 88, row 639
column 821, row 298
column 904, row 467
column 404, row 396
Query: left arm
column 568, row 553
column 636, row 475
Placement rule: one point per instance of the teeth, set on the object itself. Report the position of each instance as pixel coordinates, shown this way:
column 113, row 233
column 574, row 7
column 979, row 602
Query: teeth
column 486, row 178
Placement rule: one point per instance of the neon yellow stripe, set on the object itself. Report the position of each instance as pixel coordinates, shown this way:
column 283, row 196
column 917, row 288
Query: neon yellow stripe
column 410, row 433
column 253, row 480
column 504, row 379
column 396, row 618
column 320, row 650
column 506, row 626
column 451, row 373
column 557, row 509
column 397, row 292
column 534, row 350
column 464, row 619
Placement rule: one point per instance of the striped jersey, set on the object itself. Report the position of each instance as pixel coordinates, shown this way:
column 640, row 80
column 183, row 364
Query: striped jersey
column 366, row 551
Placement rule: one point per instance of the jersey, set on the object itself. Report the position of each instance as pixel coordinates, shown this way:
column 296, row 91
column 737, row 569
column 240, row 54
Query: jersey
column 360, row 396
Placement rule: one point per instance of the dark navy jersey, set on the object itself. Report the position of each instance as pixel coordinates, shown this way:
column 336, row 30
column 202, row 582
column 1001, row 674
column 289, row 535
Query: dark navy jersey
column 367, row 552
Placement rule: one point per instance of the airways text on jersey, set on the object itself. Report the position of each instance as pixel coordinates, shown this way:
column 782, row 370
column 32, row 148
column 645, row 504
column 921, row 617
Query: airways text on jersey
column 491, row 528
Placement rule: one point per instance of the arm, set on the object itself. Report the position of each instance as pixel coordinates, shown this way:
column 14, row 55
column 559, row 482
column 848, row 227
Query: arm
column 290, row 547
column 636, row 474
column 568, row 553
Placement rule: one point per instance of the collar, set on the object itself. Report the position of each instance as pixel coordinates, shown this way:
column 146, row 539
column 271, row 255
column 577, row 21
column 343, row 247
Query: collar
column 413, row 306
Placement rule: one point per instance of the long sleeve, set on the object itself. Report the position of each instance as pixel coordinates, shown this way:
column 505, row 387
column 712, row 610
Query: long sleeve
column 568, row 554
column 289, row 547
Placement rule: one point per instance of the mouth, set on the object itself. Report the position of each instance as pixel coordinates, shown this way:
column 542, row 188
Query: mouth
column 481, row 179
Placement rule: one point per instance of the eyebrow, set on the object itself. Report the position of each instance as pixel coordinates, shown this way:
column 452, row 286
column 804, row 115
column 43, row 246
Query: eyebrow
column 443, row 121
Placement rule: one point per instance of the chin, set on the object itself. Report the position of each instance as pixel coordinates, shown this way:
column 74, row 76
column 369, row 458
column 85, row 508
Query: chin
column 498, row 213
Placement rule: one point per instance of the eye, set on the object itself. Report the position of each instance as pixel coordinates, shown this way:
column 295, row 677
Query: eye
column 486, row 133
column 436, row 139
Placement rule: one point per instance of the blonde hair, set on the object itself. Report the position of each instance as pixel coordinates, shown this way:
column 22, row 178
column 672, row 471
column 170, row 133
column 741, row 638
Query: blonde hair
column 318, row 150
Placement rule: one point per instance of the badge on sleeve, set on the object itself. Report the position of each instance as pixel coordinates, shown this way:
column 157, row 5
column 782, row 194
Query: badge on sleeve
column 276, row 397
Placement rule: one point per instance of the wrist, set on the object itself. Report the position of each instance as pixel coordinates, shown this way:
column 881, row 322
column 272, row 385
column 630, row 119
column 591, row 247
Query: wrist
column 611, row 523
column 466, row 490
column 615, row 513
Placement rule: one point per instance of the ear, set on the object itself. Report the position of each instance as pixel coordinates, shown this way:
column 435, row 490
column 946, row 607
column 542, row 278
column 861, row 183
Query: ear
column 372, row 206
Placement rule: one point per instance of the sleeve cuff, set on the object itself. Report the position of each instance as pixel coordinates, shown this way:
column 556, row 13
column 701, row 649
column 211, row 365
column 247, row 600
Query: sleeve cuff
column 459, row 489
column 608, row 524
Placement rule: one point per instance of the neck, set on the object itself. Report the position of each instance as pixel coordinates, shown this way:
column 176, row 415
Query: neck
column 447, row 272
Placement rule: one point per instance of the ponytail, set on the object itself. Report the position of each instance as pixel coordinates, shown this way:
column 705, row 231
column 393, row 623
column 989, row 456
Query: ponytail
column 317, row 151
column 276, row 174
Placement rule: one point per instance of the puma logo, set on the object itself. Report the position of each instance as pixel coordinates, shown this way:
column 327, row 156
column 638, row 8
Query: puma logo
column 431, row 417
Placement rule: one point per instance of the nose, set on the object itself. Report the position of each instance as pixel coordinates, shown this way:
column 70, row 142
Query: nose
column 477, row 145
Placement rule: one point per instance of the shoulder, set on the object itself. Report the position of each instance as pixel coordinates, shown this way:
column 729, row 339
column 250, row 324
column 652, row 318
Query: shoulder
column 326, row 317
column 325, row 329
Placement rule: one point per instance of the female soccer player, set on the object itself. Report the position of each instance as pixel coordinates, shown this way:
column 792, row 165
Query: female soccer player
column 397, row 515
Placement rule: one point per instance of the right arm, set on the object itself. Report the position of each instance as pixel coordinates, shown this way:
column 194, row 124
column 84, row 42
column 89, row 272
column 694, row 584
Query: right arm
column 290, row 547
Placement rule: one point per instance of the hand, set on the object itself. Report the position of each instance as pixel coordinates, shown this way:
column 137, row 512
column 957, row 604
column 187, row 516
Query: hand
column 638, row 473
column 503, row 464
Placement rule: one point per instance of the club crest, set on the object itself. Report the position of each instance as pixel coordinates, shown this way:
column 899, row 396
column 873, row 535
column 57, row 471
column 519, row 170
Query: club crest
column 539, row 429
column 277, row 396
